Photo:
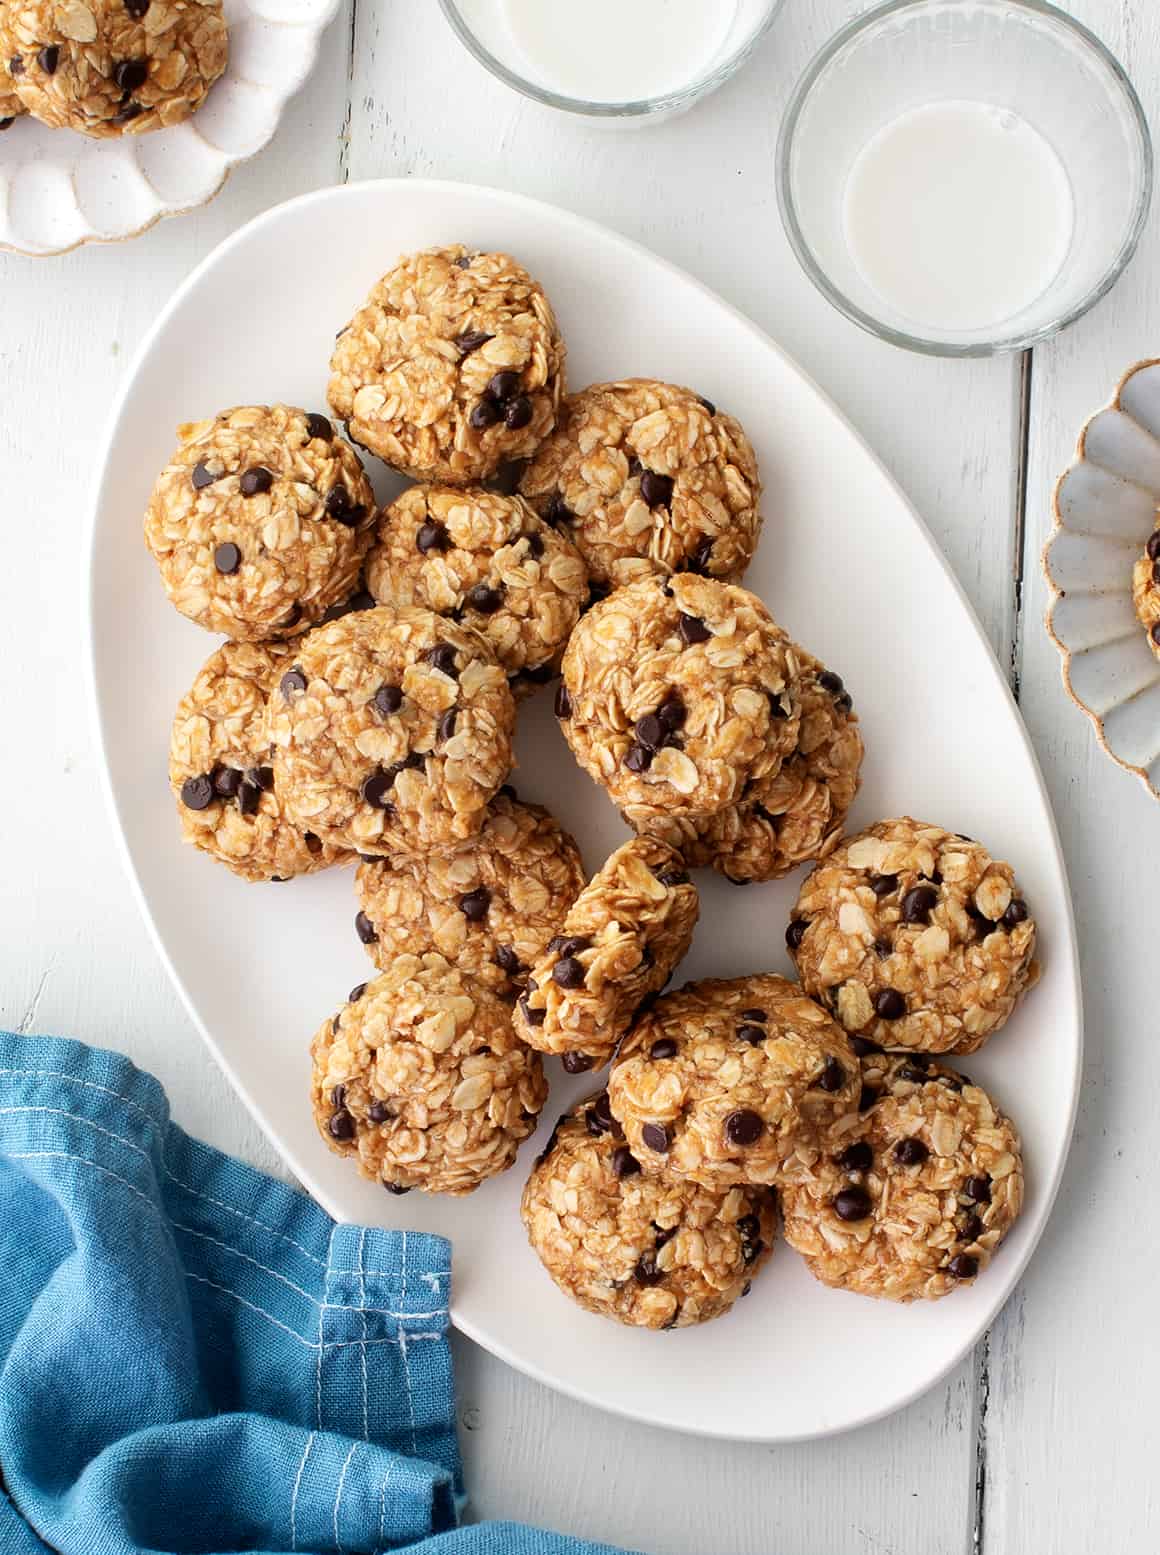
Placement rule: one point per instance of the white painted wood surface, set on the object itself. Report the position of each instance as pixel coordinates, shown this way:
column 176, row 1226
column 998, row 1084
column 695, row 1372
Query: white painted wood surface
column 1042, row 1442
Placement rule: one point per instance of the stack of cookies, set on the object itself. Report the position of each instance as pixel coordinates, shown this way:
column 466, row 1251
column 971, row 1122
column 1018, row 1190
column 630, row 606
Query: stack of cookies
column 363, row 708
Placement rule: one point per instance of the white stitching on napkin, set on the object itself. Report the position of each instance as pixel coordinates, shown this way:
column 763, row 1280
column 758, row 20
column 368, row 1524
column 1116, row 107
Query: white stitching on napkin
column 90, row 1085
column 338, row 1494
column 76, row 1117
column 406, row 1358
column 294, row 1493
column 362, row 1296
column 67, row 1155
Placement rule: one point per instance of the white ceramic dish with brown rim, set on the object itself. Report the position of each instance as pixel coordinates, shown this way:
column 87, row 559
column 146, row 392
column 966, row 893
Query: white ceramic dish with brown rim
column 1105, row 508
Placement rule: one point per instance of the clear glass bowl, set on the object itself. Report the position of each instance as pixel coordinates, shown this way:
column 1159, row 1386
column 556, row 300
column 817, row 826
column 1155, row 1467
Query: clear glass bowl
column 1022, row 56
column 480, row 26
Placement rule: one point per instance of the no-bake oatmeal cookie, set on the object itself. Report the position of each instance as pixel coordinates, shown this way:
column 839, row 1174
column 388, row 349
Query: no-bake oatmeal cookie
column 678, row 693
column 620, row 942
column 915, row 938
column 453, row 365
column 113, row 67
column 797, row 814
column 912, row 1195
column 647, row 477
column 260, row 521
column 1146, row 590
column 221, row 773
column 732, row 1081
column 391, row 731
column 645, row 1250
column 420, row 1078
column 485, row 559
column 489, row 905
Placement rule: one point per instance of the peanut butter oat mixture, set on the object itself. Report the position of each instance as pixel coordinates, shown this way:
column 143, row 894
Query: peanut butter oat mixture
column 641, row 1249
column 619, row 942
column 260, row 521
column 490, row 905
column 912, row 1195
column 487, row 560
column 914, row 937
column 420, row 1079
column 645, row 477
column 678, row 693
column 728, row 1082
column 453, row 366
column 796, row 815
column 391, row 731
column 1146, row 590
column 221, row 774
column 113, row 67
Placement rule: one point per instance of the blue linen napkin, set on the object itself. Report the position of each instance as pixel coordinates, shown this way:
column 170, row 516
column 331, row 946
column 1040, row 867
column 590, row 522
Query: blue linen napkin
column 195, row 1358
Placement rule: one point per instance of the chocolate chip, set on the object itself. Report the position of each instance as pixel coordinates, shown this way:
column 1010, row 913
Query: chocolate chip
column 1153, row 546
column 339, row 507
column 16, row 66
column 857, row 1157
column 638, row 759
column 693, row 630
column 882, row 885
column 484, row 599
column 568, row 973
column 533, row 1017
column 471, row 340
column 507, row 960
column 863, row 1046
column 868, row 1095
column 702, row 556
column 387, row 700
column 910, row 1152
column 356, row 993
column 883, row 948
column 129, row 74
column 602, row 1112
column 226, row 781
column 446, row 725
column 474, row 904
column 650, row 732
column 657, row 490
column 503, row 385
column 197, row 792
column 1016, row 913
column 853, row 1203
column 624, row 1163
column 656, row 1137
column 665, row 1233
column 577, row 1063
column 127, row 114
column 1154, row 634
column 743, row 1127
column 49, row 58
column 261, row 777
column 796, row 932
column 844, row 703
column 673, row 878
column 918, row 903
column 751, row 1034
column 777, row 708
column 759, row 1015
column 248, row 796
column 432, row 536
column 200, row 476
column 569, row 944
column 963, row 1266
column 292, row 682
column 137, row 8
column 831, row 682
column 484, row 414
column 365, row 929
column 889, row 1004
column 7, row 122
column 535, row 545
column 978, row 1189
column 227, row 558
column 972, row 1228
column 442, row 658
column 293, row 617
column 595, row 1123
column 913, row 1073
column 832, row 1077
column 341, row 1125
column 672, row 712
column 664, row 1047
column 563, row 702
column 646, row 1270
column 377, row 786
column 518, row 413
column 397, row 1188
column 463, row 262
column 558, row 512
column 255, row 480
column 378, row 1112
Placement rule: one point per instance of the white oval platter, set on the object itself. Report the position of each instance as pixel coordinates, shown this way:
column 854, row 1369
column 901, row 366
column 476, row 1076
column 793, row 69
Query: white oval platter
column 844, row 563
column 59, row 189
column 1106, row 505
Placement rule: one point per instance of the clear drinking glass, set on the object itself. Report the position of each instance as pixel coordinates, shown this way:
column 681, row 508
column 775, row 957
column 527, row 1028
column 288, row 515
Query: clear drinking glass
column 481, row 26
column 1022, row 56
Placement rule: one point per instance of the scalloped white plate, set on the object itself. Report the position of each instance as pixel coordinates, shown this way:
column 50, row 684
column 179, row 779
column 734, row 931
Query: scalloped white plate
column 1105, row 508
column 844, row 562
column 59, row 189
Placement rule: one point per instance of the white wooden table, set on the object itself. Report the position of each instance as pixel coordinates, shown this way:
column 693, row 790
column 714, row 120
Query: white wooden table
column 1042, row 1441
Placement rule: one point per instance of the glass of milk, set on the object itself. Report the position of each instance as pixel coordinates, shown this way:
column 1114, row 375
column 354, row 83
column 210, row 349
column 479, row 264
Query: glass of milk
column 964, row 177
column 620, row 61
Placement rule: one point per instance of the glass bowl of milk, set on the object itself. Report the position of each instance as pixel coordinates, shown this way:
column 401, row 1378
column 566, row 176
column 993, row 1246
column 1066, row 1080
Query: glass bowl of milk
column 964, row 177
column 631, row 61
